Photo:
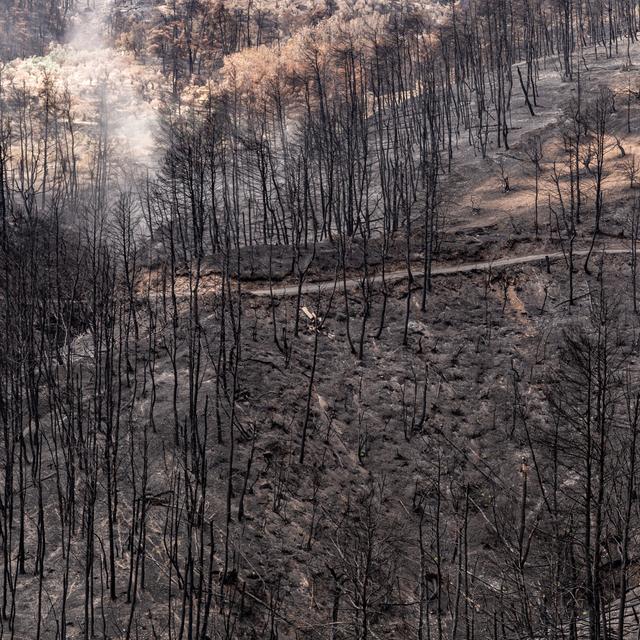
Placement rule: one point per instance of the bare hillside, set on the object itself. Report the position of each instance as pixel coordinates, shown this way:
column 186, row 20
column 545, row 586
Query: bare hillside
column 319, row 320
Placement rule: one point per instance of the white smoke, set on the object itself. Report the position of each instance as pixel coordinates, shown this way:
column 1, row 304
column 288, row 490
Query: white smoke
column 112, row 94
column 104, row 79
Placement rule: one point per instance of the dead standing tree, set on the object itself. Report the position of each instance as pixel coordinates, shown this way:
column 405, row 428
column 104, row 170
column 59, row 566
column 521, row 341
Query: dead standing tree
column 534, row 152
column 585, row 397
column 597, row 120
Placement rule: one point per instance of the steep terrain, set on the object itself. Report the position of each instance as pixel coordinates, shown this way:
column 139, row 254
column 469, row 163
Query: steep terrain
column 298, row 341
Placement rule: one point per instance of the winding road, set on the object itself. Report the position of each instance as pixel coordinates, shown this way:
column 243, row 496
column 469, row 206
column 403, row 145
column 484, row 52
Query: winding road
column 291, row 290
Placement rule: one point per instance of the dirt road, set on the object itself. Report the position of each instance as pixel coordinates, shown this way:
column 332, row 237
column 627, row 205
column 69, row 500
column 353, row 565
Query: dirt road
column 393, row 276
